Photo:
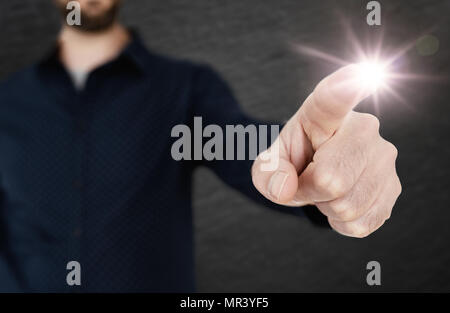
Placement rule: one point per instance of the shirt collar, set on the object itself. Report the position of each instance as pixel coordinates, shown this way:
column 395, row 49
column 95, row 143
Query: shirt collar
column 135, row 52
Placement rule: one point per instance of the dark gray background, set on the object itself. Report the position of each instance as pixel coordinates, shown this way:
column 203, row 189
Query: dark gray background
column 239, row 245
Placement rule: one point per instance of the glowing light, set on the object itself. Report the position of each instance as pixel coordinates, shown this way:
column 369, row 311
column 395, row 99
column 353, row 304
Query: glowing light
column 372, row 75
column 383, row 70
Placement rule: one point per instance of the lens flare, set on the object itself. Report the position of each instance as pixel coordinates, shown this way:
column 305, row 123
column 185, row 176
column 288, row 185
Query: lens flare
column 383, row 67
column 371, row 75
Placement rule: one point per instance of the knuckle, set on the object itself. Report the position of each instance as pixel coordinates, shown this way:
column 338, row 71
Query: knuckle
column 370, row 122
column 343, row 209
column 361, row 234
column 337, row 187
column 388, row 214
column 390, row 150
column 393, row 150
column 399, row 187
column 361, row 231
column 355, row 203
column 338, row 208
column 328, row 183
column 347, row 215
column 322, row 178
column 351, row 229
column 364, row 226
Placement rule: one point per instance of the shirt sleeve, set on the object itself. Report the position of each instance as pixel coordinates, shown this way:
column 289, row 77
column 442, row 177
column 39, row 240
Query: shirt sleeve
column 215, row 103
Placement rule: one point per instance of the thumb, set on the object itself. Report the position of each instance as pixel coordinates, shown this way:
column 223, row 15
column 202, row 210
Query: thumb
column 274, row 173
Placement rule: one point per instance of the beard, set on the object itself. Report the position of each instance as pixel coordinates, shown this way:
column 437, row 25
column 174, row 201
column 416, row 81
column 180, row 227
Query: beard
column 95, row 23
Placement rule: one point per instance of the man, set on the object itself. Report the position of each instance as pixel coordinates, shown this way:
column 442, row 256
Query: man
column 86, row 171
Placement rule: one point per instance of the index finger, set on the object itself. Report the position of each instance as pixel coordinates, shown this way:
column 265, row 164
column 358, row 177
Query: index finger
column 334, row 97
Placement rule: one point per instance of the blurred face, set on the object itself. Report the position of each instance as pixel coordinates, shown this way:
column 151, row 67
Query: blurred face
column 96, row 15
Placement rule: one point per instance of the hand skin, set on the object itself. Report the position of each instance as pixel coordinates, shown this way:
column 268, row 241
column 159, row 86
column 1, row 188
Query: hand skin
column 334, row 158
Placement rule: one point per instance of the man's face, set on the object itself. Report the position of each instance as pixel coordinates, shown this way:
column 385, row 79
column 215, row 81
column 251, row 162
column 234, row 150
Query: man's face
column 96, row 15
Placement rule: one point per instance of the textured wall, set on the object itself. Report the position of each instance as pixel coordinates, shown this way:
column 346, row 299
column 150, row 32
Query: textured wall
column 241, row 246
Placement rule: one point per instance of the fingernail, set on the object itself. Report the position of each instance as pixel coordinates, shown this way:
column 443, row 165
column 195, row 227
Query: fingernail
column 276, row 184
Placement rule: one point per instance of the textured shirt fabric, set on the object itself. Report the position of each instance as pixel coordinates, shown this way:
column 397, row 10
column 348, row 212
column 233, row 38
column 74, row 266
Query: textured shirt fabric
column 87, row 175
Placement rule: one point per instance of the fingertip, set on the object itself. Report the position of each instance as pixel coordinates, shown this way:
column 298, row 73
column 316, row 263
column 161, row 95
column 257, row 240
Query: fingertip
column 346, row 85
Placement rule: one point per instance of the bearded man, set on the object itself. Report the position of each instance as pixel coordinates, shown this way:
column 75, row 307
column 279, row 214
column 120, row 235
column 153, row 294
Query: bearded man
column 86, row 173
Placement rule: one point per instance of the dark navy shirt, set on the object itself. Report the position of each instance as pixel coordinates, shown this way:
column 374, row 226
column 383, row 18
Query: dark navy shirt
column 88, row 175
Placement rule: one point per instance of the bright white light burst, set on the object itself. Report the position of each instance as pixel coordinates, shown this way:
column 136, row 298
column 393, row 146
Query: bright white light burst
column 380, row 71
column 372, row 75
